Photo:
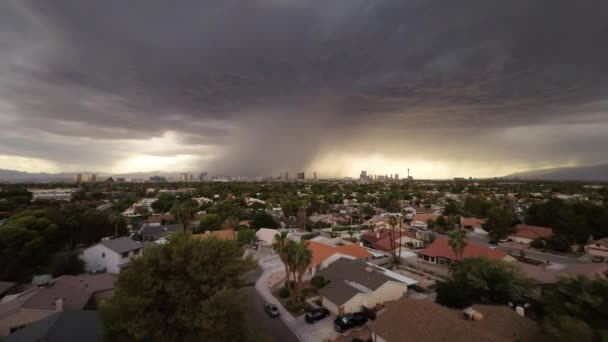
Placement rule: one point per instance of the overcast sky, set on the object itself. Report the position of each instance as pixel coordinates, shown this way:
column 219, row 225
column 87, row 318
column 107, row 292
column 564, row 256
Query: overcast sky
column 257, row 87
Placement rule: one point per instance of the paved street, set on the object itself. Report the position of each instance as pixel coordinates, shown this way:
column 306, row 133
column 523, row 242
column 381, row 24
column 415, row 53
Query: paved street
column 272, row 327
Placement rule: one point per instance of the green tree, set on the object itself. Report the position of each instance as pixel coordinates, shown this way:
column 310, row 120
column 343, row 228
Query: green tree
column 576, row 307
column 302, row 257
column 394, row 221
column 500, row 223
column 246, row 235
column 118, row 222
column 280, row 246
column 457, row 240
column 210, row 222
column 184, row 212
column 163, row 203
column 262, row 219
column 483, row 280
column 67, row 263
column 186, row 290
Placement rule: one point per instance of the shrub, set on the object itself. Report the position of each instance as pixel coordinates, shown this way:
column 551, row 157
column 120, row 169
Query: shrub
column 538, row 243
column 284, row 292
column 306, row 292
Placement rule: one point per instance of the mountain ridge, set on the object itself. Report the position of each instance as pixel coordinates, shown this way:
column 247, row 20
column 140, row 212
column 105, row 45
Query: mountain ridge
column 574, row 173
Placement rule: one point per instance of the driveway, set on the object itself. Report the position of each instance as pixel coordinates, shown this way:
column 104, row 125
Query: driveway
column 316, row 332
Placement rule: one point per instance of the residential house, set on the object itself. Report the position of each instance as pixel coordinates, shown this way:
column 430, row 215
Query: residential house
column 64, row 293
column 111, row 255
column 382, row 240
column 64, row 326
column 265, row 238
column 547, row 274
column 439, row 252
column 525, row 233
column 354, row 285
column 155, row 231
column 597, row 248
column 422, row 320
column 161, row 219
column 323, row 255
column 473, row 223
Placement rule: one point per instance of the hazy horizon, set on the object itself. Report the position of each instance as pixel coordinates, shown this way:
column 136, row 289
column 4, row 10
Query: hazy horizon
column 447, row 89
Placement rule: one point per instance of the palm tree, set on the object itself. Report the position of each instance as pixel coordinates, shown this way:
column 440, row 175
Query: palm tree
column 302, row 257
column 393, row 221
column 115, row 219
column 280, row 246
column 457, row 240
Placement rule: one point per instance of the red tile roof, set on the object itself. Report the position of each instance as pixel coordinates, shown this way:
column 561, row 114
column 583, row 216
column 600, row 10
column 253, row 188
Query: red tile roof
column 471, row 222
column 532, row 232
column 382, row 241
column 440, row 248
column 321, row 251
column 424, row 217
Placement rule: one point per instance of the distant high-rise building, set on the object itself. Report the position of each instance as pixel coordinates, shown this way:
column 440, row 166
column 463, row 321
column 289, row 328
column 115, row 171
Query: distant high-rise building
column 157, row 179
column 203, row 177
column 396, row 176
column 186, row 177
column 93, row 178
column 363, row 175
column 78, row 178
column 300, row 176
column 314, row 175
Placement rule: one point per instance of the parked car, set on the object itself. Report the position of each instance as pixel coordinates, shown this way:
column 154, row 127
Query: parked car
column 272, row 310
column 351, row 320
column 316, row 315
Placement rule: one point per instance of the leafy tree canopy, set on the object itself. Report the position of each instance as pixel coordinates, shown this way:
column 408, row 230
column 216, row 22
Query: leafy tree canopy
column 186, row 290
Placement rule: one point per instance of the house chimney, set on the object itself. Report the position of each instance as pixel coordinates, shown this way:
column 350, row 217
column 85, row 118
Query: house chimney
column 59, row 304
column 377, row 235
column 520, row 311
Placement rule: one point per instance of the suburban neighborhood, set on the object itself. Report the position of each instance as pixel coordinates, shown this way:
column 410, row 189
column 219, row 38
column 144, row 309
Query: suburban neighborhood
column 333, row 260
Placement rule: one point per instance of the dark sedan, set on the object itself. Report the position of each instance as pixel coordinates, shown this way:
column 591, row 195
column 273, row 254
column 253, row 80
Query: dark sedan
column 316, row 315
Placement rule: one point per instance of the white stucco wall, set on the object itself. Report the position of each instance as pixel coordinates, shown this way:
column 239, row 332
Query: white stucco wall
column 391, row 290
column 95, row 260
column 520, row 239
column 593, row 249
column 333, row 308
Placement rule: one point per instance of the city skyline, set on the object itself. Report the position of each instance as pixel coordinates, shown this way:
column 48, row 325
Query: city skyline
column 447, row 89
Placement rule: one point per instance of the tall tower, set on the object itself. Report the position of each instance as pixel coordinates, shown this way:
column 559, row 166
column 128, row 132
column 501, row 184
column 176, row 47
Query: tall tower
column 314, row 175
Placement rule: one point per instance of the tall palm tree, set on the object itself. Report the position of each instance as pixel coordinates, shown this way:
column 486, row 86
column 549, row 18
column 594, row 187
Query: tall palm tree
column 302, row 257
column 280, row 246
column 393, row 221
column 458, row 240
column 115, row 220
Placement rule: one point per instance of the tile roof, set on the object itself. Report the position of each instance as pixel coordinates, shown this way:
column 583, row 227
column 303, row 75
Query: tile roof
column 440, row 248
column 65, row 326
column 532, row 232
column 74, row 290
column 348, row 278
column 382, row 240
column 422, row 320
column 121, row 244
column 471, row 222
column 320, row 251
column 424, row 217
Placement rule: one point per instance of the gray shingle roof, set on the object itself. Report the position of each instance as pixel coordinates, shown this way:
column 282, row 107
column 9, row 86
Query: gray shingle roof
column 348, row 278
column 6, row 285
column 66, row 326
column 122, row 244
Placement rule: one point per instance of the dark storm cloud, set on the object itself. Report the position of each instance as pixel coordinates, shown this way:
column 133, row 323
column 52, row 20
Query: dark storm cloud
column 273, row 83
